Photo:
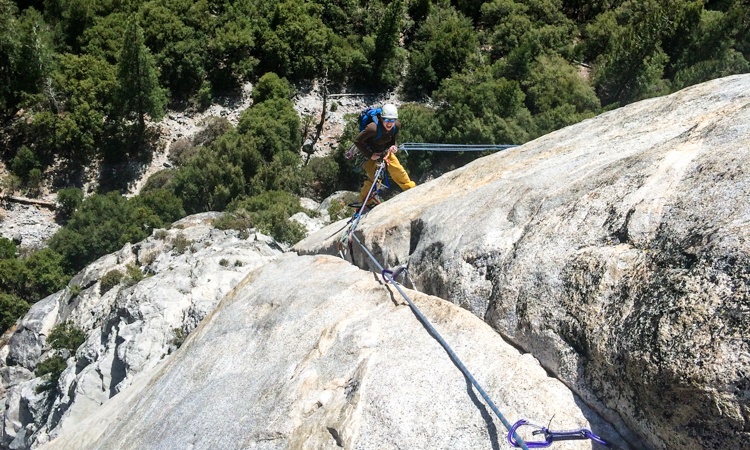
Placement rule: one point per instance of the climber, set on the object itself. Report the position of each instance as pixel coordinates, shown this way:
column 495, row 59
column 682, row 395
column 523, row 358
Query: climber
column 376, row 140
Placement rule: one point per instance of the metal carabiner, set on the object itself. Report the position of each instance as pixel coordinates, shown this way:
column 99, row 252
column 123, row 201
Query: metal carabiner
column 552, row 436
column 530, row 444
column 393, row 273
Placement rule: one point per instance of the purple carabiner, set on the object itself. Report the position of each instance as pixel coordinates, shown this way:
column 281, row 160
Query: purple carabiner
column 386, row 271
column 530, row 444
column 595, row 438
column 552, row 436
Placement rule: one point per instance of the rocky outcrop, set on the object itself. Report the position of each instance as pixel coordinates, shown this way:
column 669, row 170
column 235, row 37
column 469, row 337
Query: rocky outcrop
column 313, row 353
column 28, row 226
column 615, row 251
column 172, row 281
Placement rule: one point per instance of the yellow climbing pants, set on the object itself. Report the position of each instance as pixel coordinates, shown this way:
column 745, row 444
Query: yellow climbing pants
column 395, row 170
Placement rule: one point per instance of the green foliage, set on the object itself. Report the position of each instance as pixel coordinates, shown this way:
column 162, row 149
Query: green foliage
column 181, row 243
column 181, row 151
column 342, row 16
column 709, row 51
column 104, row 223
column 13, row 277
column 340, row 209
column 74, row 247
column 66, row 336
column 421, row 125
column 10, row 184
column 259, row 155
column 213, row 128
column 349, row 173
column 269, row 212
column 54, row 367
column 284, row 173
column 139, row 91
column 133, row 275
column 234, row 34
column 109, row 280
column 557, row 95
column 8, row 249
column 167, row 206
column 64, row 67
column 103, row 39
column 238, row 220
column 68, row 201
column 35, row 59
column 240, row 150
column 71, row 18
column 633, row 61
column 85, row 85
column 24, row 162
column 34, row 183
column 10, row 49
column 583, row 11
column 174, row 31
column 387, row 57
column 208, row 182
column 325, row 176
column 297, row 43
column 275, row 126
column 78, row 92
column 11, row 308
column 442, row 45
column 270, row 86
column 75, row 290
column 539, row 24
column 33, row 277
column 202, row 99
column 45, row 274
column 160, row 180
column 481, row 109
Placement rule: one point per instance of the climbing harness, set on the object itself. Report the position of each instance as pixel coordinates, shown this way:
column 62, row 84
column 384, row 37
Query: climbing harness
column 551, row 436
column 345, row 240
column 389, row 276
column 425, row 146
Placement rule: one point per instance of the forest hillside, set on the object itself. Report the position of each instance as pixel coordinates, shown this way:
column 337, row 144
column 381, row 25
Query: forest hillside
column 83, row 86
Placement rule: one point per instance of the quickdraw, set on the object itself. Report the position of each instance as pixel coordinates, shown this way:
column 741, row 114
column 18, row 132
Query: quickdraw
column 345, row 240
column 552, row 436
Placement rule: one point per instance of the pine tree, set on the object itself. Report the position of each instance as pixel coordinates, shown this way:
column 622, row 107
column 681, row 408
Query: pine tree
column 9, row 49
column 36, row 59
column 140, row 92
column 387, row 61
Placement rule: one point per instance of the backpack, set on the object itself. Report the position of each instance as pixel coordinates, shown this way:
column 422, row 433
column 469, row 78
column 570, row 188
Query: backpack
column 371, row 115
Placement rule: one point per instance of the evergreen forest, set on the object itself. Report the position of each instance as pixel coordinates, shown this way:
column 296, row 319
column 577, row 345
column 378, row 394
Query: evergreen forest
column 85, row 82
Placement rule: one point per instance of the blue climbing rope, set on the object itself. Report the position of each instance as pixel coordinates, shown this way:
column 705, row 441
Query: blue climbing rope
column 425, row 146
column 389, row 277
column 345, row 240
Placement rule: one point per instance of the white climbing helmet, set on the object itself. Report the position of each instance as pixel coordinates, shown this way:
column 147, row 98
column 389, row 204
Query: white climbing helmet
column 389, row 111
